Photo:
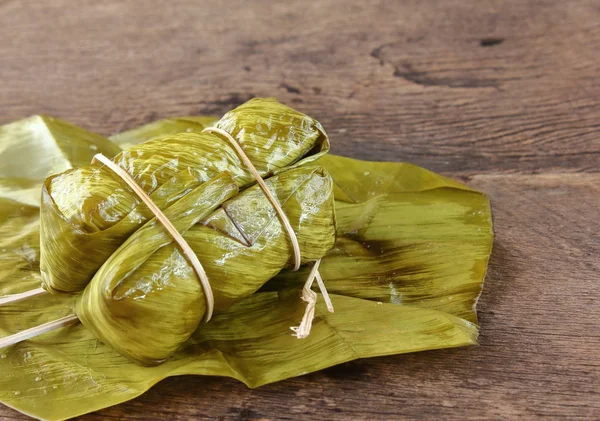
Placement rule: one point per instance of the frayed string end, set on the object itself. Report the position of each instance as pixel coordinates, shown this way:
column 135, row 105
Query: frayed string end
column 303, row 330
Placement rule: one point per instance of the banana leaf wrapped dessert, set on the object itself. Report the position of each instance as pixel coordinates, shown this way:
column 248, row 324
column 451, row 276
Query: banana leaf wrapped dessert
column 407, row 267
column 88, row 212
column 98, row 224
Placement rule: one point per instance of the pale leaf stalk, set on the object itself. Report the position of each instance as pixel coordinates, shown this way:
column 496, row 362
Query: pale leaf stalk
column 38, row 330
column 15, row 298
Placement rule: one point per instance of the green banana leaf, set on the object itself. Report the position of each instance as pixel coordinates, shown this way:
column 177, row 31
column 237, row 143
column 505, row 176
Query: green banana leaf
column 37, row 147
column 435, row 234
column 162, row 128
column 391, row 246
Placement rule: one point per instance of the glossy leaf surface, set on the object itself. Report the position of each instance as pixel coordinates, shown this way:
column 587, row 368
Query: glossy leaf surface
column 88, row 212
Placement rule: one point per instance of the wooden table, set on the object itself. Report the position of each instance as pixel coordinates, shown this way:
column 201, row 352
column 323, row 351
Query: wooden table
column 504, row 95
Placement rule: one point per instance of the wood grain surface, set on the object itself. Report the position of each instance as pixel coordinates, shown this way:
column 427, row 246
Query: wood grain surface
column 504, row 95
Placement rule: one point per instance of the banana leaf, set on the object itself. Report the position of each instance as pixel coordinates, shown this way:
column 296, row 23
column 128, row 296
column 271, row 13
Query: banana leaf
column 386, row 251
column 43, row 146
column 162, row 128
column 390, row 216
column 88, row 212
